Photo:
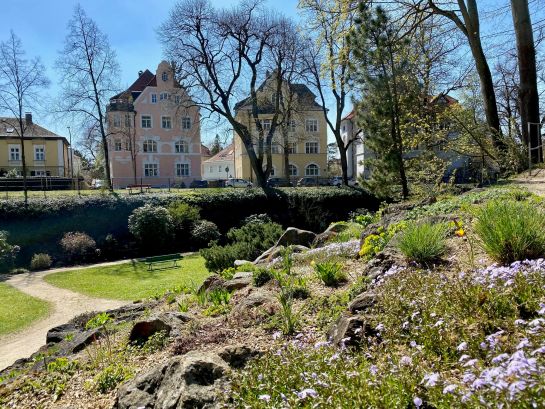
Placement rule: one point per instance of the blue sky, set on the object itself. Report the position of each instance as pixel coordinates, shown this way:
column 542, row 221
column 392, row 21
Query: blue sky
column 130, row 25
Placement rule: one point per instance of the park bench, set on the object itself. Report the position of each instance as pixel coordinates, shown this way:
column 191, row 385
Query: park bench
column 138, row 187
column 150, row 261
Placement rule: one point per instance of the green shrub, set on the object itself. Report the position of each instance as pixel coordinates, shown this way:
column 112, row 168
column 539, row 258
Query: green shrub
column 221, row 257
column 219, row 296
column 204, row 232
column 257, row 218
column 423, row 243
column 110, row 248
column 8, row 252
column 262, row 276
column 151, row 226
column 111, row 376
column 78, row 246
column 509, row 231
column 19, row 270
column 352, row 231
column 156, row 342
column 40, row 261
column 228, row 273
column 330, row 273
column 183, row 216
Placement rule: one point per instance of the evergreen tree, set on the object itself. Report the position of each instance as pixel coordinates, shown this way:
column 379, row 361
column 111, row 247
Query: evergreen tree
column 216, row 145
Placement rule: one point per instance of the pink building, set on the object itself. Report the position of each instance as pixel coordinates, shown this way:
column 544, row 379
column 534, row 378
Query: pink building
column 154, row 132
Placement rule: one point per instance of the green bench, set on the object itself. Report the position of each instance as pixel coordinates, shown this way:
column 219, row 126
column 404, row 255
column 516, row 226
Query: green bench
column 150, row 261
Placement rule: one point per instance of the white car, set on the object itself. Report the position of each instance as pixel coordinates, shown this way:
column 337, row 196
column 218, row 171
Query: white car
column 338, row 181
column 232, row 182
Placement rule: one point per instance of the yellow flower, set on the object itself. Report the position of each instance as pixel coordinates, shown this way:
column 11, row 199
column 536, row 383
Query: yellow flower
column 460, row 232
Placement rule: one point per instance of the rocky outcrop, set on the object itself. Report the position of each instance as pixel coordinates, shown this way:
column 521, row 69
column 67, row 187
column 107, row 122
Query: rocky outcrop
column 350, row 331
column 167, row 322
column 240, row 280
column 294, row 236
column 194, row 380
column 212, row 283
column 362, row 302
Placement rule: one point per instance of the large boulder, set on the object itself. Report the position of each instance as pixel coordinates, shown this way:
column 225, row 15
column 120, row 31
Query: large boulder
column 350, row 331
column 296, row 236
column 237, row 355
column 193, row 380
column 212, row 283
column 270, row 254
column 239, row 281
column 167, row 322
column 362, row 302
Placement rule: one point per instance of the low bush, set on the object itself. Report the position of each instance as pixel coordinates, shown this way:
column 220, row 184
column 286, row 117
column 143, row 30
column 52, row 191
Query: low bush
column 221, row 257
column 509, row 231
column 8, row 252
column 40, row 261
column 204, row 232
column 183, row 217
column 78, row 246
column 262, row 276
column 151, row 226
column 330, row 273
column 375, row 243
column 111, row 376
column 110, row 248
column 423, row 243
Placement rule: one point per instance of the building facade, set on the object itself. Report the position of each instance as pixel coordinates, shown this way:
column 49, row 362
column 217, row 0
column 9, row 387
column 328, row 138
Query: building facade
column 46, row 153
column 307, row 139
column 220, row 166
column 154, row 133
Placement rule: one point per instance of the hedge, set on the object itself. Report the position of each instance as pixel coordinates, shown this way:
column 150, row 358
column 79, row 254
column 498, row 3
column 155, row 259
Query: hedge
column 38, row 227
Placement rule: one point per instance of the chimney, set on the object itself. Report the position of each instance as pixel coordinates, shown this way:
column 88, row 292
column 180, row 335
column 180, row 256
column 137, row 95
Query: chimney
column 140, row 73
column 28, row 118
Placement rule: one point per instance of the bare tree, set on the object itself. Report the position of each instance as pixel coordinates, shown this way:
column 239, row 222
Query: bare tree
column 327, row 60
column 221, row 56
column 528, row 93
column 89, row 74
column 21, row 81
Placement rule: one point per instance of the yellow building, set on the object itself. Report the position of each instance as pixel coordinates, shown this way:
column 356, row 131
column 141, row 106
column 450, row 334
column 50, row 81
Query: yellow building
column 307, row 139
column 46, row 153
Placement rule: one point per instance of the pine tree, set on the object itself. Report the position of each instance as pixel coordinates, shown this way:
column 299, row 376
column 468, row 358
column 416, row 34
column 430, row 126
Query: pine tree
column 216, row 145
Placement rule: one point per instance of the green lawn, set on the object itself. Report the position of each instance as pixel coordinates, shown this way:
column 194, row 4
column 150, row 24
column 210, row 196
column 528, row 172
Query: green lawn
column 131, row 281
column 18, row 310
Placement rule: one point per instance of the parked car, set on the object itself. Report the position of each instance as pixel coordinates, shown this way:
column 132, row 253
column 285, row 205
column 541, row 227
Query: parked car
column 233, row 182
column 279, row 182
column 338, row 181
column 196, row 184
column 97, row 184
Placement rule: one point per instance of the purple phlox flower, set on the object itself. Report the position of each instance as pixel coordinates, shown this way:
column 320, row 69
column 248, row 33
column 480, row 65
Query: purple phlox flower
column 542, row 309
column 515, row 388
column 413, row 344
column 417, row 401
column 471, row 362
column 500, row 358
column 462, row 347
column 405, row 325
column 520, row 365
column 478, row 383
column 466, row 397
column 321, row 344
column 449, row 388
column 305, row 393
column 380, row 327
column 483, row 345
column 415, row 314
column 344, row 341
column 468, row 377
column 406, row 360
column 373, row 370
column 334, row 357
column 536, row 322
column 265, row 397
column 276, row 335
column 438, row 323
column 431, row 379
column 520, row 322
column 352, row 374
column 260, row 377
column 523, row 344
column 540, row 350
column 463, row 358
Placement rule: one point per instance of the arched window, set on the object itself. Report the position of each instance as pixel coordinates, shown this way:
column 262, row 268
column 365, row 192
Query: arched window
column 293, row 170
column 164, row 76
column 312, row 170
column 181, row 147
column 149, row 146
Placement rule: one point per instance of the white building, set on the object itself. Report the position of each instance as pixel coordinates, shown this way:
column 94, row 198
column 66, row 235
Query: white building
column 357, row 151
column 220, row 166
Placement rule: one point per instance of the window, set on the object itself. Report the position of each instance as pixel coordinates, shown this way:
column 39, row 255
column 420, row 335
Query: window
column 211, row 169
column 178, row 99
column 151, row 169
column 15, row 152
column 293, row 126
column 153, row 98
column 293, row 170
column 39, row 153
column 266, row 124
column 186, row 122
column 292, row 147
column 39, row 173
column 127, row 120
column 163, row 96
column 164, row 76
column 219, row 168
column 181, row 147
column 182, row 169
column 117, row 145
column 117, row 121
column 312, row 170
column 166, row 122
column 311, row 147
column 311, row 125
column 275, row 148
column 149, row 146
column 146, row 121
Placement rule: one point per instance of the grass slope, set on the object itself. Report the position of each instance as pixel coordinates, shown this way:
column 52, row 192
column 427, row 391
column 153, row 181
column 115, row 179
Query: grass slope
column 29, row 309
column 131, row 281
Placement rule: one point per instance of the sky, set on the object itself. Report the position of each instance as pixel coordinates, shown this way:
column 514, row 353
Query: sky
column 130, row 25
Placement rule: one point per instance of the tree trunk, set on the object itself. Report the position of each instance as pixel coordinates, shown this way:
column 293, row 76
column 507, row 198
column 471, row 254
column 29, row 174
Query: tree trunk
column 23, row 158
column 344, row 160
column 286, row 153
column 528, row 93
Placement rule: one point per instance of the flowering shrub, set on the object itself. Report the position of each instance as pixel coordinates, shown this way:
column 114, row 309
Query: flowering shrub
column 375, row 243
column 204, row 231
column 78, row 246
column 511, row 230
column 40, row 261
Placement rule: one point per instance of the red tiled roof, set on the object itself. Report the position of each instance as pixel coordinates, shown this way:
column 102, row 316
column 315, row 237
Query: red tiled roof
column 351, row 115
column 225, row 154
column 205, row 150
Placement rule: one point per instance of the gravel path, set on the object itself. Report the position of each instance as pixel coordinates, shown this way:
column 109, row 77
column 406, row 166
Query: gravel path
column 533, row 181
column 65, row 305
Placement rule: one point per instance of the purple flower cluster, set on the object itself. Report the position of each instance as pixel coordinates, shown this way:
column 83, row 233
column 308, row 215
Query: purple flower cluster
column 495, row 275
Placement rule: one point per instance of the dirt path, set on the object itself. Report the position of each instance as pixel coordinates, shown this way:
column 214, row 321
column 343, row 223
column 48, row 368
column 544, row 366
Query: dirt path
column 65, row 304
column 533, row 181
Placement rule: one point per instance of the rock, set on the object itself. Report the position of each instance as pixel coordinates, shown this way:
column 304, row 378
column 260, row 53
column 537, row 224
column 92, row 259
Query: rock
column 253, row 300
column 80, row 341
column 60, row 333
column 211, row 283
column 296, row 236
column 166, row 321
column 362, row 302
column 270, row 254
column 350, row 331
column 238, row 263
column 299, row 248
column 238, row 283
column 338, row 227
column 243, row 274
column 193, row 380
column 237, row 355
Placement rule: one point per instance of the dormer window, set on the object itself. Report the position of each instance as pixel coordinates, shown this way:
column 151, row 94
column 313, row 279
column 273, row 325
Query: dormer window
column 164, row 76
